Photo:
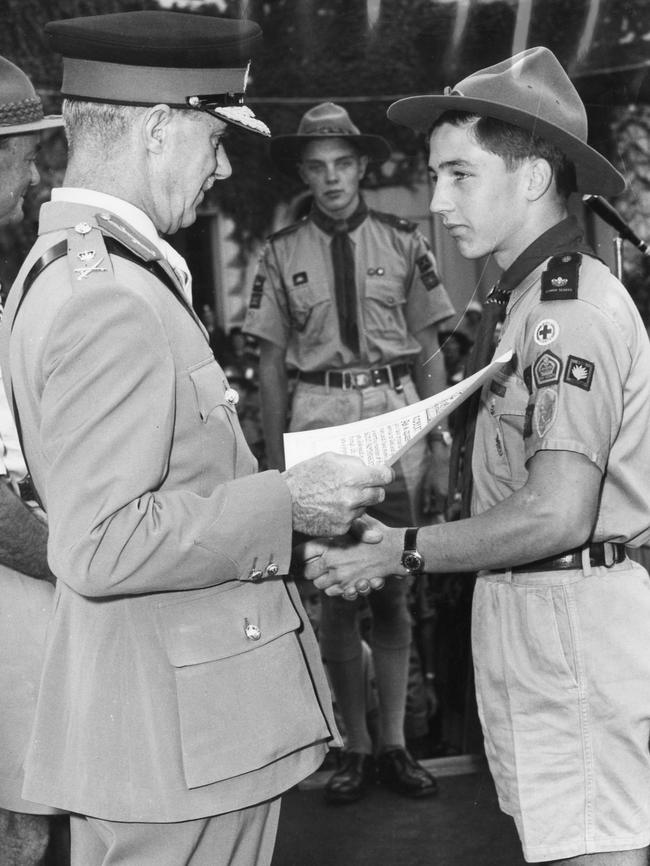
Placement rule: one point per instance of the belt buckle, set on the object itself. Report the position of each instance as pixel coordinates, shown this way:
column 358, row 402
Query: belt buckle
column 361, row 380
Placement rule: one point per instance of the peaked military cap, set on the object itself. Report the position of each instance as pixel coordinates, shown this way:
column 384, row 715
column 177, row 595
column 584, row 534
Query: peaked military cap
column 326, row 120
column 149, row 57
column 530, row 90
column 21, row 109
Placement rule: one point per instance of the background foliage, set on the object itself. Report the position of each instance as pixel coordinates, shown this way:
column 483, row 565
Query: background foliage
column 316, row 50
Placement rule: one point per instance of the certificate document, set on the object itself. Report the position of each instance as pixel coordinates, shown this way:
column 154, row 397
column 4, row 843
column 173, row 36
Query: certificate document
column 384, row 438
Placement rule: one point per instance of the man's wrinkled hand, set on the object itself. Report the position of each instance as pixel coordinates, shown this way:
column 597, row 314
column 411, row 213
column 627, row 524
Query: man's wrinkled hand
column 330, row 491
column 354, row 564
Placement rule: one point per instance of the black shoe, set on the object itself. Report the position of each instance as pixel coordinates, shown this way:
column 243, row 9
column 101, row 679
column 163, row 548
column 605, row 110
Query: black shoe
column 350, row 781
column 398, row 770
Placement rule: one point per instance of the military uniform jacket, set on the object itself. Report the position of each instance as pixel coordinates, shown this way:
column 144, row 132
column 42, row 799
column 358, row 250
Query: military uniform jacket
column 580, row 382
column 398, row 294
column 174, row 686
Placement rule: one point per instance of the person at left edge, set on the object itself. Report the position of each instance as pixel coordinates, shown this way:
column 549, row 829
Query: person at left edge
column 182, row 691
column 26, row 582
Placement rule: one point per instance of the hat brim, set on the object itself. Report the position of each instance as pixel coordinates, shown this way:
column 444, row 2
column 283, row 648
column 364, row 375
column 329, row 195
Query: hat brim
column 286, row 150
column 594, row 173
column 239, row 115
column 51, row 121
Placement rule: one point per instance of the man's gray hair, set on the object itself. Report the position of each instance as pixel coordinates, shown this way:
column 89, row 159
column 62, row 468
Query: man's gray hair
column 99, row 123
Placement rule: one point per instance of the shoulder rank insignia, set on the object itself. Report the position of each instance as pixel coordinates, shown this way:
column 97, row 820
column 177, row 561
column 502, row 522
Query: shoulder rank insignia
column 87, row 254
column 561, row 277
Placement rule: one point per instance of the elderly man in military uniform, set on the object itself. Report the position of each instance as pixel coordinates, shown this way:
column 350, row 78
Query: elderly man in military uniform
column 182, row 691
column 561, row 471
column 348, row 300
column 26, row 582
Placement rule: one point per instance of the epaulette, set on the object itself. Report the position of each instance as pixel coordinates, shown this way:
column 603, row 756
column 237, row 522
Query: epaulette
column 288, row 230
column 395, row 221
column 561, row 277
column 136, row 243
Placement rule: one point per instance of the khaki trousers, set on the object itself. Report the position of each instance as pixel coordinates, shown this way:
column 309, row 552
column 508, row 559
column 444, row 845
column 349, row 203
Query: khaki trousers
column 243, row 838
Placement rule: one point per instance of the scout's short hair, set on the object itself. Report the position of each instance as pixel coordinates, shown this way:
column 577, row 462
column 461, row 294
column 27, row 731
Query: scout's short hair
column 514, row 145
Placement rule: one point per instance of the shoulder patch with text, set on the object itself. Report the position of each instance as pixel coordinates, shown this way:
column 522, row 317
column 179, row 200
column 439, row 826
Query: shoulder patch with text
column 256, row 294
column 561, row 277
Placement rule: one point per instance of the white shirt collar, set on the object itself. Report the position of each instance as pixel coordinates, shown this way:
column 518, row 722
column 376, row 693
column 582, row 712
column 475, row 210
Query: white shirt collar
column 134, row 217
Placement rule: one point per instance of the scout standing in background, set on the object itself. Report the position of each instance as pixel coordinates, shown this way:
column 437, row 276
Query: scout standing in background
column 349, row 300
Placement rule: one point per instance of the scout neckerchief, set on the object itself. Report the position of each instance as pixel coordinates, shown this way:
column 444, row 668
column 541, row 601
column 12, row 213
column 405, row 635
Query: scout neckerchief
column 345, row 288
column 566, row 236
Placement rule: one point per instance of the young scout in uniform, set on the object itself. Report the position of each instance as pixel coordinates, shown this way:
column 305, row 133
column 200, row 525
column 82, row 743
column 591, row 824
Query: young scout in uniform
column 561, row 470
column 26, row 583
column 182, row 691
column 349, row 300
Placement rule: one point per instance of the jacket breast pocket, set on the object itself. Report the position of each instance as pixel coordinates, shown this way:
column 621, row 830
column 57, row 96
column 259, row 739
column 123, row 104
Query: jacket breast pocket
column 209, row 388
column 245, row 696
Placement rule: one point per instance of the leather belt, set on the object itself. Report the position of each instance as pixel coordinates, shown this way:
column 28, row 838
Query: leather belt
column 605, row 553
column 348, row 379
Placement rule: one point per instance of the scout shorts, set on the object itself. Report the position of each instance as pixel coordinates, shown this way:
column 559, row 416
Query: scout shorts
column 562, row 664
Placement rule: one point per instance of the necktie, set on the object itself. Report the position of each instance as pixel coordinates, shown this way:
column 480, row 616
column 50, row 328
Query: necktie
column 566, row 236
column 342, row 252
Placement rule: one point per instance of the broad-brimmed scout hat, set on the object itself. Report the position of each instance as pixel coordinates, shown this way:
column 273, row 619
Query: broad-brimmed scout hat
column 530, row 90
column 21, row 109
column 149, row 57
column 326, row 120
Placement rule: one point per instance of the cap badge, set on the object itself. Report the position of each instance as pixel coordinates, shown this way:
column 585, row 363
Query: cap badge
column 83, row 228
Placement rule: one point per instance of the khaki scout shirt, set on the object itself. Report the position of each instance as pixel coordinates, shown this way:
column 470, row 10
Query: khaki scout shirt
column 398, row 294
column 581, row 383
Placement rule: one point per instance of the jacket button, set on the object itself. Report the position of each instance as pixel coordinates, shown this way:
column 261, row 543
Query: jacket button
column 231, row 396
column 256, row 575
column 271, row 569
column 252, row 631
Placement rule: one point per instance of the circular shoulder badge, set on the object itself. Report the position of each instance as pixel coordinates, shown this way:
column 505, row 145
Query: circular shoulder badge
column 546, row 332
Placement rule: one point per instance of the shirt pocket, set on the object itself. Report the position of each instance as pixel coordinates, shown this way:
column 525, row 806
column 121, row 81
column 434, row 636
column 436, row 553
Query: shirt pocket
column 504, row 405
column 384, row 305
column 245, row 696
column 310, row 304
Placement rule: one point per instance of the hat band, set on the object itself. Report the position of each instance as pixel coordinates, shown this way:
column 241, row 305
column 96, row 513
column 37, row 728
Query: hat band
column 27, row 110
column 145, row 85
column 330, row 130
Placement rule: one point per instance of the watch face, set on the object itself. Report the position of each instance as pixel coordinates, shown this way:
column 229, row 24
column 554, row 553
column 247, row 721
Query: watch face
column 412, row 561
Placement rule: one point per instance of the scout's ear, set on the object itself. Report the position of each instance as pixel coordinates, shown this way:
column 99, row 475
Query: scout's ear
column 539, row 178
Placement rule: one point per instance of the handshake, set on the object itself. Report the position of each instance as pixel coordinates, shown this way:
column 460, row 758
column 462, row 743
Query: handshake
column 352, row 553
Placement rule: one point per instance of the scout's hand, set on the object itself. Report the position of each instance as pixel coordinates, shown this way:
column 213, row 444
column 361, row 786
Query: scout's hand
column 331, row 490
column 348, row 566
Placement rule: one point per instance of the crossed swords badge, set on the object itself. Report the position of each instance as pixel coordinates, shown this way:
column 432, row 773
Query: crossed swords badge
column 87, row 256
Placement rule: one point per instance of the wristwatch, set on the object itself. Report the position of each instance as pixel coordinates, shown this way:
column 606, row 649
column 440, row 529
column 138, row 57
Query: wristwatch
column 411, row 559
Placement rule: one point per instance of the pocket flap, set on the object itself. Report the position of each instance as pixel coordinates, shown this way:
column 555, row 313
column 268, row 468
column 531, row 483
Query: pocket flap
column 209, row 388
column 225, row 621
